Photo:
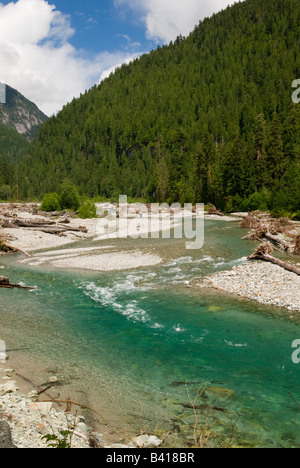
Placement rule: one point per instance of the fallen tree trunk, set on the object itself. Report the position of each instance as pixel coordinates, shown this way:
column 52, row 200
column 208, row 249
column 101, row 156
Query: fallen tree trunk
column 281, row 243
column 21, row 223
column 263, row 252
column 5, row 283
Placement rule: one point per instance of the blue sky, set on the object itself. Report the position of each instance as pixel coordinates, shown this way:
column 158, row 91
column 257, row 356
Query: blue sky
column 100, row 26
column 51, row 51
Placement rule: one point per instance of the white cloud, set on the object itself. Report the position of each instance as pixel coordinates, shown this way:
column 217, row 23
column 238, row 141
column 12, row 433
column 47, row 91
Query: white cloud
column 167, row 19
column 38, row 60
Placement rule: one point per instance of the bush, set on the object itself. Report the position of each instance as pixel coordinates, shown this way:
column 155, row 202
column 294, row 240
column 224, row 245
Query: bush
column 87, row 210
column 256, row 201
column 50, row 202
column 69, row 198
column 280, row 205
column 234, row 204
column 5, row 192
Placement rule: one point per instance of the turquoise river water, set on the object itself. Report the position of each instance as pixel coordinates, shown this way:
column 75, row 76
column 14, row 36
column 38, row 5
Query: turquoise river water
column 125, row 343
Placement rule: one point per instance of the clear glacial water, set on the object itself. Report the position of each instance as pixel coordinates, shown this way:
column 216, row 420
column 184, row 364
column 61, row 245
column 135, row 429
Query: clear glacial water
column 125, row 343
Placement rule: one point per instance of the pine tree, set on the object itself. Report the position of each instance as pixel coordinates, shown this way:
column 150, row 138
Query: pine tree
column 234, row 172
column 275, row 155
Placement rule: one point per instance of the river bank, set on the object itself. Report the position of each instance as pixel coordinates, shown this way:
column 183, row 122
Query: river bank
column 28, row 417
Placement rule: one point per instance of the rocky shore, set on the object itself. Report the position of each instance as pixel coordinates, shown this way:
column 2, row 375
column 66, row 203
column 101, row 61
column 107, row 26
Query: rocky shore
column 29, row 421
column 261, row 282
column 25, row 421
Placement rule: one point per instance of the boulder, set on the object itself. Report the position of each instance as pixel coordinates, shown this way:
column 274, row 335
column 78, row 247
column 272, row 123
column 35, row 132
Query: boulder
column 9, row 387
column 5, row 436
column 146, row 441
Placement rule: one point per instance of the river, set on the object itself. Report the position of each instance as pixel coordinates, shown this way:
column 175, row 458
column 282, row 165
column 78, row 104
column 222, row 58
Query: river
column 125, row 343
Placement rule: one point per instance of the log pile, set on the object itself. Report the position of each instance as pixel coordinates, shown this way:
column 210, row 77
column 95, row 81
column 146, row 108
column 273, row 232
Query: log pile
column 47, row 227
column 57, row 223
column 280, row 232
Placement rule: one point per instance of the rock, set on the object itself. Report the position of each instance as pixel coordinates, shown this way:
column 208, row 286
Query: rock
column 9, row 387
column 33, row 395
column 44, row 408
column 146, row 441
column 3, row 357
column 5, row 436
column 118, row 446
column 82, row 427
column 52, row 379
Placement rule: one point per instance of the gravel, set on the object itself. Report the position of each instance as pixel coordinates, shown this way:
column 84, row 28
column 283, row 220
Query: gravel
column 262, row 282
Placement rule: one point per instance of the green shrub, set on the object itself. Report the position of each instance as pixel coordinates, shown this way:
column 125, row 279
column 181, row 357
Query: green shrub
column 62, row 441
column 233, row 204
column 256, row 201
column 87, row 210
column 280, row 205
column 69, row 197
column 5, row 192
column 50, row 202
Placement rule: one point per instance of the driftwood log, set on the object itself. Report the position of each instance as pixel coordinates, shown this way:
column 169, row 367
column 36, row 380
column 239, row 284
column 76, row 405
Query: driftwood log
column 49, row 228
column 21, row 223
column 263, row 252
column 5, row 283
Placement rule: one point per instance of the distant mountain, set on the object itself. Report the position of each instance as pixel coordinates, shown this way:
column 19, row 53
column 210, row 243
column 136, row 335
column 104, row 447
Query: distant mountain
column 20, row 114
column 20, row 120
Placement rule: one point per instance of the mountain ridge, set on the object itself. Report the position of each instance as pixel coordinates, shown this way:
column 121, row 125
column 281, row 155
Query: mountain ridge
column 208, row 118
column 20, row 114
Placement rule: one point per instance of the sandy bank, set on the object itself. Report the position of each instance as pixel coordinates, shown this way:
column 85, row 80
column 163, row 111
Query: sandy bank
column 108, row 262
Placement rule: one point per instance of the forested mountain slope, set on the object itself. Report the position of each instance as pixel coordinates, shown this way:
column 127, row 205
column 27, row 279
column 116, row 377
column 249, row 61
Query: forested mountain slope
column 208, row 118
column 20, row 120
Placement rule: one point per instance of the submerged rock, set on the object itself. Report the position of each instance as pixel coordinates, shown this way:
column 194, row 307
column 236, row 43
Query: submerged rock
column 219, row 392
